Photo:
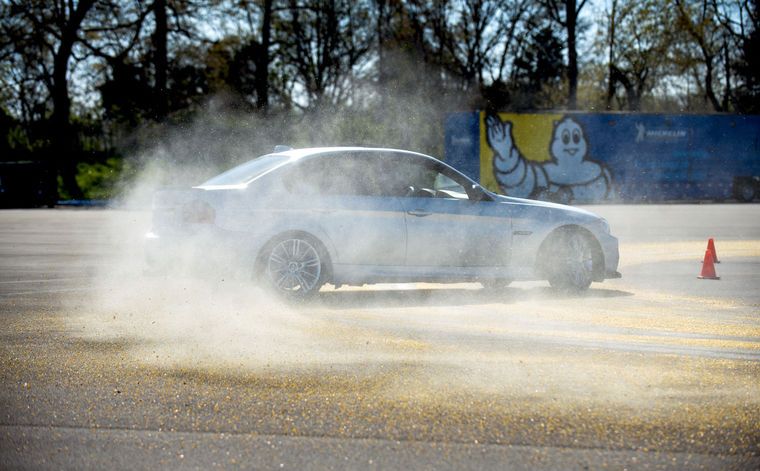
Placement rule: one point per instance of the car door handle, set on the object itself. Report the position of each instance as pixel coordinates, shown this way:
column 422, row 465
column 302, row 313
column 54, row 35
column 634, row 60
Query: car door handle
column 419, row 213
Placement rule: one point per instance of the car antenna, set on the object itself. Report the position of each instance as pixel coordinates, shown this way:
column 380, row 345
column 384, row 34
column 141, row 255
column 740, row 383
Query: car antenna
column 281, row 148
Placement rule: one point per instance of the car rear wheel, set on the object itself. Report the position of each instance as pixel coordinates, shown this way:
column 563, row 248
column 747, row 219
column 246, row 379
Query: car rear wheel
column 571, row 262
column 295, row 266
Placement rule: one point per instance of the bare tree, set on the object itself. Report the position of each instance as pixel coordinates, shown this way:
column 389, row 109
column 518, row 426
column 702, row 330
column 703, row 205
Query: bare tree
column 740, row 22
column 171, row 19
column 259, row 16
column 566, row 14
column 324, row 43
column 475, row 28
column 48, row 41
column 515, row 24
column 697, row 20
column 637, row 40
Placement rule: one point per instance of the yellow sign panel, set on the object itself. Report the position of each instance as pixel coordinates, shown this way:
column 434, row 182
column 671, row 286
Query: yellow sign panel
column 532, row 134
column 542, row 156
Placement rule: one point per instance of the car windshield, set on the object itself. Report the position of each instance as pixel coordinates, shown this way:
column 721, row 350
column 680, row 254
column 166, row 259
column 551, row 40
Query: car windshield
column 246, row 172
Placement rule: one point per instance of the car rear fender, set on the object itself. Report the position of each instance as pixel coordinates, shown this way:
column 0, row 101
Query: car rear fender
column 168, row 206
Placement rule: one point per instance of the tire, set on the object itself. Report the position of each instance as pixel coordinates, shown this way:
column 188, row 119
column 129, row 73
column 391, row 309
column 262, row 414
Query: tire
column 570, row 262
column 744, row 191
column 294, row 266
column 495, row 284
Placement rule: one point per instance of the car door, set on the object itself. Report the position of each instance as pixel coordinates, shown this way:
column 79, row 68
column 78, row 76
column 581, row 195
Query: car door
column 446, row 227
column 339, row 191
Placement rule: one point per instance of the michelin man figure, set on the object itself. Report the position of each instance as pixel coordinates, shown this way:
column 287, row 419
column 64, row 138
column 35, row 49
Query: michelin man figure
column 572, row 175
column 515, row 175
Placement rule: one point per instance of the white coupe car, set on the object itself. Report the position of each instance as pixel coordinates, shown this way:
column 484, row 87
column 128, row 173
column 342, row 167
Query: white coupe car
column 300, row 218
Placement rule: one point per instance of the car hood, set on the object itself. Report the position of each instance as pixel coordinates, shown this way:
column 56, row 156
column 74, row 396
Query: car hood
column 581, row 213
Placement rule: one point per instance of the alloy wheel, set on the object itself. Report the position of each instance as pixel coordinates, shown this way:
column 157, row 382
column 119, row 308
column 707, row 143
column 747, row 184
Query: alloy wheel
column 294, row 266
column 574, row 263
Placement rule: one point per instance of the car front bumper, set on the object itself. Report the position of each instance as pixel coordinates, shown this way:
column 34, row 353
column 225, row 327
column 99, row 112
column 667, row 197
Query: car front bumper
column 610, row 250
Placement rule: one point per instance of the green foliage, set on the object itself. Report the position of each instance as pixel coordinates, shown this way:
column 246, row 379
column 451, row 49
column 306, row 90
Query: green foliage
column 233, row 78
column 101, row 180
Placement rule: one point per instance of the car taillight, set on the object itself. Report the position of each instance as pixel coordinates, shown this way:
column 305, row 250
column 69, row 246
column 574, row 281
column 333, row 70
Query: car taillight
column 198, row 212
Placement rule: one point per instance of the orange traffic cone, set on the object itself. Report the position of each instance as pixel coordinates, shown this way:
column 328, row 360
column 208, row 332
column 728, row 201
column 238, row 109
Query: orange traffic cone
column 711, row 249
column 708, row 268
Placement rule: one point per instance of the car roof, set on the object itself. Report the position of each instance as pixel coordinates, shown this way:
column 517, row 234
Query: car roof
column 310, row 151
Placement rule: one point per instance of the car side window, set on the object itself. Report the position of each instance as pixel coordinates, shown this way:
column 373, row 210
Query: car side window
column 423, row 178
column 342, row 174
column 310, row 177
column 360, row 173
column 444, row 182
column 372, row 174
column 380, row 175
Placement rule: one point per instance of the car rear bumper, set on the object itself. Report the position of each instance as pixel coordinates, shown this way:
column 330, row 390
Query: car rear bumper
column 205, row 250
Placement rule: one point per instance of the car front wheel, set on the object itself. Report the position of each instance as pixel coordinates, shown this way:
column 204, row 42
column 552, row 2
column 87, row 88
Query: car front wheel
column 571, row 262
column 295, row 267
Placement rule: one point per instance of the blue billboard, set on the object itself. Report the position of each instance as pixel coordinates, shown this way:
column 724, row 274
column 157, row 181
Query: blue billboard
column 598, row 157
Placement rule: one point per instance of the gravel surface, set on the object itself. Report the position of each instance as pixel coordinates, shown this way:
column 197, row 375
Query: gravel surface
column 103, row 366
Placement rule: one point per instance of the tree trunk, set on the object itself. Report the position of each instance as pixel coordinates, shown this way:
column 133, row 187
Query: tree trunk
column 709, row 91
column 611, row 57
column 632, row 94
column 160, row 58
column 64, row 136
column 65, row 140
column 572, row 55
column 262, row 59
column 727, row 64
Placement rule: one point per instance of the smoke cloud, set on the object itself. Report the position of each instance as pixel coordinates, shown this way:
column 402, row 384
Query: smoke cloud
column 427, row 341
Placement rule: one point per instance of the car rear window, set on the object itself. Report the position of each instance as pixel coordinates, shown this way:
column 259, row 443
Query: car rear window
column 246, row 172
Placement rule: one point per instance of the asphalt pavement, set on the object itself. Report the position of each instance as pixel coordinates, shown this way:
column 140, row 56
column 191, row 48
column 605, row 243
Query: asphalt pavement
column 105, row 367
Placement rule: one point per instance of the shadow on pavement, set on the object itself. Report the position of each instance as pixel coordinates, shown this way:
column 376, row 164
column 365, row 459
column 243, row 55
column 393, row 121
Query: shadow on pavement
column 451, row 296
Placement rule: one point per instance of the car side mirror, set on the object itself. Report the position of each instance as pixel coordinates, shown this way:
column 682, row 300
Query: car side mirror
column 476, row 193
